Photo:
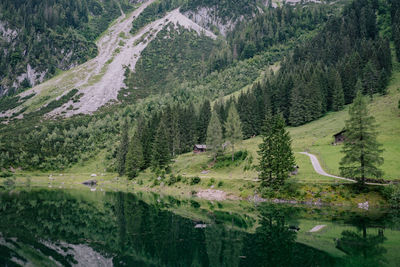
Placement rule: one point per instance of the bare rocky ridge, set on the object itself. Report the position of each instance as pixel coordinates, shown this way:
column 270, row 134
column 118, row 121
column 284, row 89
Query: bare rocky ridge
column 100, row 79
column 204, row 17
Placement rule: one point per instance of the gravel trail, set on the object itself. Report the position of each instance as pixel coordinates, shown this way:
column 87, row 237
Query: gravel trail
column 319, row 170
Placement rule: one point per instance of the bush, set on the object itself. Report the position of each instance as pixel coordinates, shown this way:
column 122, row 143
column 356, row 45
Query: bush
column 6, row 174
column 195, row 180
column 211, row 182
column 291, row 187
column 220, row 183
column 172, row 180
column 392, row 194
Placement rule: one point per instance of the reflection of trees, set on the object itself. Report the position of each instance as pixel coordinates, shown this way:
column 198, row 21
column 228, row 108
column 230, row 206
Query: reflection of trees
column 363, row 248
column 135, row 233
column 274, row 243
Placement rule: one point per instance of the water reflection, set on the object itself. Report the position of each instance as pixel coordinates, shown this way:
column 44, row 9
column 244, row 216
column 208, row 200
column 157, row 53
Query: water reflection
column 42, row 227
column 363, row 248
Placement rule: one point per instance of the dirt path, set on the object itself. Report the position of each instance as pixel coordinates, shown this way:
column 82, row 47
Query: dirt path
column 100, row 79
column 318, row 168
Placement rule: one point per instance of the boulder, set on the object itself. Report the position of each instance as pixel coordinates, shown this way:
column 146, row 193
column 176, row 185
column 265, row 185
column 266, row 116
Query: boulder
column 90, row 182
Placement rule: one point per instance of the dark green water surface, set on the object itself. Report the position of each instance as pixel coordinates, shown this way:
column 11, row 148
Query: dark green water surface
column 43, row 227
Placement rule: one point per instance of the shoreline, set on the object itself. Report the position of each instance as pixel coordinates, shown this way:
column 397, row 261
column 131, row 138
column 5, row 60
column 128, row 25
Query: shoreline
column 330, row 195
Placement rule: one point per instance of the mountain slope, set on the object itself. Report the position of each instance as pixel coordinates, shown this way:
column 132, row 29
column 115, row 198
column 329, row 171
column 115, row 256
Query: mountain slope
column 40, row 38
column 100, row 79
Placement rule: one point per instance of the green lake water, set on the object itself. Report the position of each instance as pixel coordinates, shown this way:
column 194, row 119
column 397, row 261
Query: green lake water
column 42, row 227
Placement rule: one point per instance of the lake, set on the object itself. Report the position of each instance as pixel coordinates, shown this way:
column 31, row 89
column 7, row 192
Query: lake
column 43, row 227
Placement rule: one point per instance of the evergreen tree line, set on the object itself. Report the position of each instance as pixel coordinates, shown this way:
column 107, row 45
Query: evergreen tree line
column 47, row 31
column 268, row 28
column 174, row 131
column 164, row 135
column 321, row 74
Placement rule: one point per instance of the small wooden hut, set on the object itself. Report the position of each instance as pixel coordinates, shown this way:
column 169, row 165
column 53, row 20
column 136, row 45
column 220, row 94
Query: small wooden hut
column 340, row 137
column 199, row 148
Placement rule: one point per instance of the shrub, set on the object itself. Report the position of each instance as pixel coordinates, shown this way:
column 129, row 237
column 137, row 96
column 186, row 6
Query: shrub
column 6, row 174
column 291, row 187
column 195, row 180
column 172, row 180
column 392, row 194
column 220, row 183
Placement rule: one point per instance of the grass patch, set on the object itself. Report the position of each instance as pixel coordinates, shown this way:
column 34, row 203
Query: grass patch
column 224, row 161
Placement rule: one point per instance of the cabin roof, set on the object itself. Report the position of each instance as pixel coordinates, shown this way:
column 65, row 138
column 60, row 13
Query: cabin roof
column 339, row 133
column 200, row 146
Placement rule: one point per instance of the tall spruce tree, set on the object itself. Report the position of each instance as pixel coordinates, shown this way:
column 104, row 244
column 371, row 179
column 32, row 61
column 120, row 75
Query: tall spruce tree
column 337, row 93
column 314, row 97
column 134, row 158
column 175, row 133
column 214, row 135
column 296, row 110
column 370, row 80
column 204, row 119
column 161, row 149
column 233, row 128
column 361, row 149
column 276, row 156
column 123, row 149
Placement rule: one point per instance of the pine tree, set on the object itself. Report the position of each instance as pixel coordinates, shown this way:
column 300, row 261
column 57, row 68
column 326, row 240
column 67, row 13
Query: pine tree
column 214, row 135
column 361, row 149
column 134, row 158
column 161, row 156
column 276, row 156
column 349, row 77
column 204, row 119
column 233, row 128
column 296, row 107
column 337, row 93
column 175, row 133
column 370, row 79
column 123, row 149
column 383, row 82
column 314, row 97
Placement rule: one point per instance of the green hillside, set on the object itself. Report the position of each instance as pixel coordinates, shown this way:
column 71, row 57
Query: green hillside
column 317, row 137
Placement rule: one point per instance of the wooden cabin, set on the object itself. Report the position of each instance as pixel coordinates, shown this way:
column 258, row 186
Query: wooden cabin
column 199, row 148
column 340, row 137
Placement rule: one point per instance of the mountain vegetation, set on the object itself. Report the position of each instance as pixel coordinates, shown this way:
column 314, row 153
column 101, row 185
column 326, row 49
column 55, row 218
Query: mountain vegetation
column 324, row 50
column 40, row 38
